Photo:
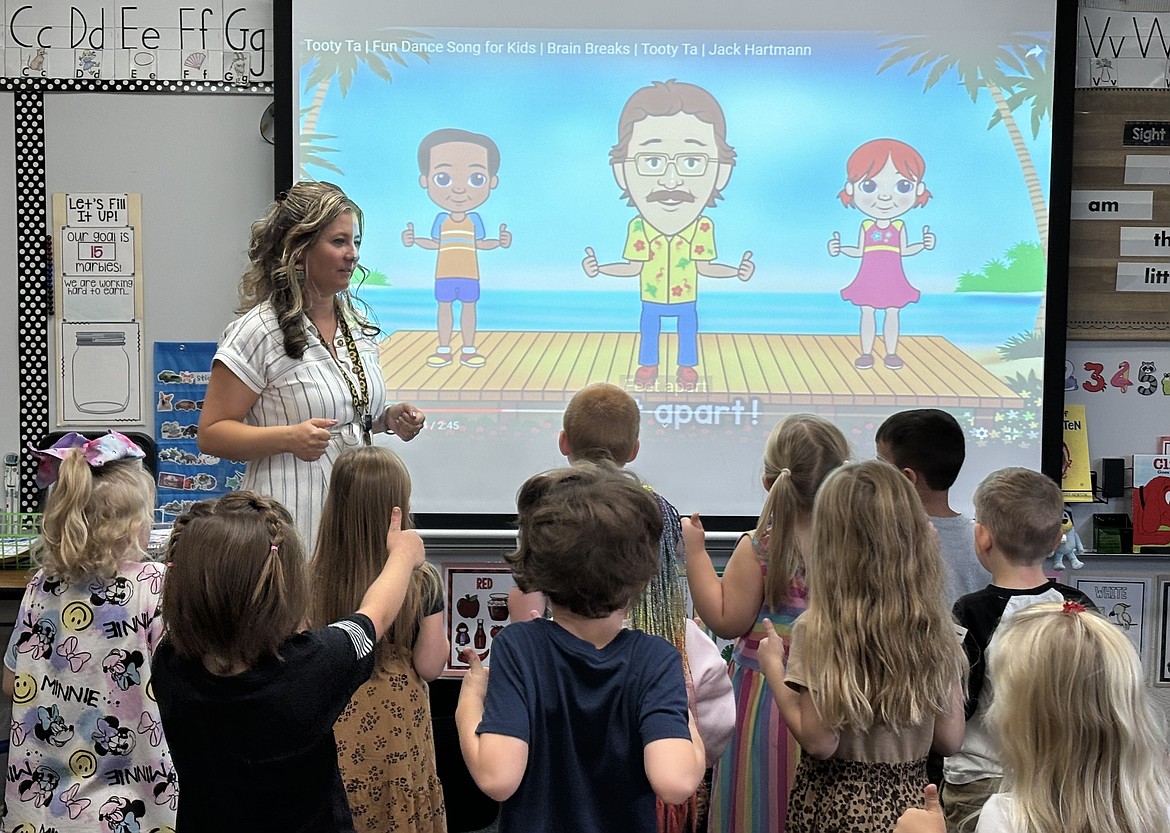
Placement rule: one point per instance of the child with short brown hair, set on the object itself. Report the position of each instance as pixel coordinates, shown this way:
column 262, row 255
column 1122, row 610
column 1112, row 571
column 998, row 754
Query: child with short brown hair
column 1017, row 525
column 532, row 735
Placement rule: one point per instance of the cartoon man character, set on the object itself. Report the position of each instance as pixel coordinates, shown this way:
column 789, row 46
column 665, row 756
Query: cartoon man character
column 458, row 170
column 671, row 161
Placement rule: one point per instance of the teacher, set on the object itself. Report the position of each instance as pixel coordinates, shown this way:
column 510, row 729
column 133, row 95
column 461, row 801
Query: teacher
column 296, row 378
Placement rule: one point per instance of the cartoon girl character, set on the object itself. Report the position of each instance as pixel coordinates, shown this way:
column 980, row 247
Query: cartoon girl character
column 123, row 667
column 884, row 181
column 122, row 815
column 38, row 639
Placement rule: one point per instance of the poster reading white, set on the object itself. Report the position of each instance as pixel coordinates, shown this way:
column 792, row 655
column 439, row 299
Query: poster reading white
column 100, row 379
column 1122, row 602
column 477, row 610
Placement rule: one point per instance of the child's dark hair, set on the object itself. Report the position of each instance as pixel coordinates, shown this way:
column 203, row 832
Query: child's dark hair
column 928, row 441
column 601, row 422
column 588, row 537
column 235, row 588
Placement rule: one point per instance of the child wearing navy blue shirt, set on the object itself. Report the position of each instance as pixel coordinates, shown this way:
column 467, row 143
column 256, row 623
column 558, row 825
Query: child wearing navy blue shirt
column 583, row 721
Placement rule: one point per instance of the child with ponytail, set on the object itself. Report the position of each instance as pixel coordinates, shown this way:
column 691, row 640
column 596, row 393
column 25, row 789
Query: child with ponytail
column 78, row 668
column 763, row 581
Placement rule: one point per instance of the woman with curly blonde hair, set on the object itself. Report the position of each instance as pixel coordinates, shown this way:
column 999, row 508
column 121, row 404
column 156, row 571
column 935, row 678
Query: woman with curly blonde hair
column 296, row 377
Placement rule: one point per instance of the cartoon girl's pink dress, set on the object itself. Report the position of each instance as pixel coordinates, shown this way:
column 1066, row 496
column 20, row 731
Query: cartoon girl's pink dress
column 881, row 283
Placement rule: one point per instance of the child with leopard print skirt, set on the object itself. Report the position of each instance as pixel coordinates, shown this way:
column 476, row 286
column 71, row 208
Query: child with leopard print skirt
column 875, row 671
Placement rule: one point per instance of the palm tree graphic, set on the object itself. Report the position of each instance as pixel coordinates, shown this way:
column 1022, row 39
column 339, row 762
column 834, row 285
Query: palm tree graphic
column 1014, row 69
column 342, row 67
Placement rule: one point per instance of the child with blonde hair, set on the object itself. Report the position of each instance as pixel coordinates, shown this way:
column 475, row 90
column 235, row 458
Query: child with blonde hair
column 78, row 668
column 248, row 697
column 874, row 676
column 1083, row 747
column 763, row 581
column 385, row 748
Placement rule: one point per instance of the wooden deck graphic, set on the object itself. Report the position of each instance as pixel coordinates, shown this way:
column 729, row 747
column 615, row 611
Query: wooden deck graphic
column 788, row 370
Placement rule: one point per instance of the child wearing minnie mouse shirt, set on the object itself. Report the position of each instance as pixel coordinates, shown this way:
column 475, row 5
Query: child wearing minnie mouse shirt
column 87, row 750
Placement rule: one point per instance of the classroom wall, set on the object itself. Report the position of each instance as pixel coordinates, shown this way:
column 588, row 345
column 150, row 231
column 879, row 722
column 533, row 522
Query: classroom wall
column 204, row 173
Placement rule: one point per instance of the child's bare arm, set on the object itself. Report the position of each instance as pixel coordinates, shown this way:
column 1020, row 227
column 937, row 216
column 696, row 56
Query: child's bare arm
column 728, row 607
column 796, row 707
column 950, row 727
column 404, row 552
column 431, row 647
column 496, row 762
column 675, row 766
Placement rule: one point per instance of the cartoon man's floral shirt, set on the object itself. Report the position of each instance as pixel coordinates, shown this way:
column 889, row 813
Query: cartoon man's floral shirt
column 670, row 274
column 87, row 751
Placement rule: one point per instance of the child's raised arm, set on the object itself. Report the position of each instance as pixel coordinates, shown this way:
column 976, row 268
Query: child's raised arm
column 404, row 552
column 496, row 762
column 675, row 766
column 728, row 607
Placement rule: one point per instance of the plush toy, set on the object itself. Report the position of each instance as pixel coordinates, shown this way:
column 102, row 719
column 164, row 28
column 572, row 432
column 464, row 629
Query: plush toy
column 1070, row 545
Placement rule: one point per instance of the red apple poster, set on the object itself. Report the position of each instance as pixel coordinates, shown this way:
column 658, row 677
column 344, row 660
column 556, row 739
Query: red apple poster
column 477, row 610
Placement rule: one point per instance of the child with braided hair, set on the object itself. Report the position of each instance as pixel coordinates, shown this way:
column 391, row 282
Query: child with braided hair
column 78, row 668
column 247, row 696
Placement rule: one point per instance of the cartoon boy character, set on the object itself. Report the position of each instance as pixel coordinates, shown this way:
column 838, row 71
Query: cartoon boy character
column 458, row 170
column 671, row 161
column 883, row 181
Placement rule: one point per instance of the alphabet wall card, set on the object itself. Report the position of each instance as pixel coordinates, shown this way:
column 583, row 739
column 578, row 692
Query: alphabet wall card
column 477, row 610
column 1122, row 602
column 1122, row 48
column 126, row 40
column 1076, row 476
column 1151, row 509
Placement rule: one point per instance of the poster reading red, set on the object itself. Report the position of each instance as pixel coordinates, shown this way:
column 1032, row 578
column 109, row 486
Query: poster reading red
column 477, row 610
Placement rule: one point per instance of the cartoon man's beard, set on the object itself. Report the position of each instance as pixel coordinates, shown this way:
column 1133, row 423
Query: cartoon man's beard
column 670, row 196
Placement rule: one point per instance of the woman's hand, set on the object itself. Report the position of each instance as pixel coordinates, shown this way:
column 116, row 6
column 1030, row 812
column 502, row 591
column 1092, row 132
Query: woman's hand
column 404, row 419
column 309, row 439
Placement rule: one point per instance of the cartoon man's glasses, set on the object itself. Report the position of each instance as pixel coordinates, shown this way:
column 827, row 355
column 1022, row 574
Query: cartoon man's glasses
column 686, row 164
